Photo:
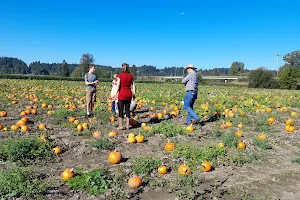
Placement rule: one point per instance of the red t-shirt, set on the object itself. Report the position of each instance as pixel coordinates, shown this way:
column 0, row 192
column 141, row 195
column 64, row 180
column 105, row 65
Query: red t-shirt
column 126, row 80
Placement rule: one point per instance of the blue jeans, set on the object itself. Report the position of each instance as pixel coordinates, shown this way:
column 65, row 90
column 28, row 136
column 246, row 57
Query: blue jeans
column 189, row 101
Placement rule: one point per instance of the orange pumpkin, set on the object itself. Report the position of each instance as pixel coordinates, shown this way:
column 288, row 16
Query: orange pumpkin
column 261, row 137
column 42, row 126
column 79, row 127
column 57, row 150
column 241, row 145
column 97, row 134
column 131, row 140
column 271, row 120
column 184, row 169
column 240, row 125
column 289, row 122
column 72, row 119
column 239, row 134
column 135, row 182
column 190, row 128
column 114, row 157
column 112, row 134
column 162, row 169
column 67, row 174
column 169, row 146
column 140, row 138
column 3, row 113
column 206, row 166
column 24, row 128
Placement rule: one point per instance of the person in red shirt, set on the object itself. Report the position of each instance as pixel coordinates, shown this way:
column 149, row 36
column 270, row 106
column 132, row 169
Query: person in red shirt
column 126, row 90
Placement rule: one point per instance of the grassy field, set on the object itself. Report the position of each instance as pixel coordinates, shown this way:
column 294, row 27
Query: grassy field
column 249, row 137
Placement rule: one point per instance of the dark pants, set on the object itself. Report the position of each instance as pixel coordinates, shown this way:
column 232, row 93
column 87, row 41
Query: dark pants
column 121, row 105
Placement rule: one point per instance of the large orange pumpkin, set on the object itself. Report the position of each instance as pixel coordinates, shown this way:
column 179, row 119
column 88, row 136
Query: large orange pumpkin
column 135, row 182
column 114, row 157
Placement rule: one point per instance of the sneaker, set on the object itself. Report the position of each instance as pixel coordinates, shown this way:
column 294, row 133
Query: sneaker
column 197, row 121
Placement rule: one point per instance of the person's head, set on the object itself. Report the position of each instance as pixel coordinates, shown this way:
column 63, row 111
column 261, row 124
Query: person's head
column 92, row 68
column 190, row 68
column 115, row 76
column 125, row 67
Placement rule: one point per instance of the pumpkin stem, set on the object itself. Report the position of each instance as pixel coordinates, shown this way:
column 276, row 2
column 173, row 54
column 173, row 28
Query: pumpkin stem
column 169, row 141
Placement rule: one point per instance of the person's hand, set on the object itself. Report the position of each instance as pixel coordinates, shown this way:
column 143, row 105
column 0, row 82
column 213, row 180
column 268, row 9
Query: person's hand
column 96, row 82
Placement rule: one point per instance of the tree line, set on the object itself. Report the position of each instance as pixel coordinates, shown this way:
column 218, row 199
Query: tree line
column 10, row 65
column 287, row 77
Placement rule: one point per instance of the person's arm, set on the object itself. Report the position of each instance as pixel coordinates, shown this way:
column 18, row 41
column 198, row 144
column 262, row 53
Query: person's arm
column 90, row 83
column 186, row 79
column 118, row 83
column 133, row 89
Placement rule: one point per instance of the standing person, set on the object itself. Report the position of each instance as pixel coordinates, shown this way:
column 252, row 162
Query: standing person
column 126, row 87
column 91, row 81
column 191, row 89
column 114, row 94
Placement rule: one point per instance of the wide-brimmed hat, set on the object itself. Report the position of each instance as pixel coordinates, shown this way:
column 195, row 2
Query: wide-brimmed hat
column 190, row 67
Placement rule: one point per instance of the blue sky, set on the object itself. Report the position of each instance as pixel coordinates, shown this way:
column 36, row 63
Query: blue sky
column 162, row 33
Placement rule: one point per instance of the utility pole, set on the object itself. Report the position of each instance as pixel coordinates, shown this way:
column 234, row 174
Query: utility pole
column 277, row 63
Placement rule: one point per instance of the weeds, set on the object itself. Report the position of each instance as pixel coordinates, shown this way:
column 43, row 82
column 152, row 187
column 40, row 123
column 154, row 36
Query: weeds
column 25, row 150
column 21, row 182
column 103, row 143
column 262, row 144
column 169, row 129
column 145, row 164
column 195, row 156
column 95, row 182
column 230, row 140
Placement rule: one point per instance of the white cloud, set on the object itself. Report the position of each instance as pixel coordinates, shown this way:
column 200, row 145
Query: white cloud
column 182, row 13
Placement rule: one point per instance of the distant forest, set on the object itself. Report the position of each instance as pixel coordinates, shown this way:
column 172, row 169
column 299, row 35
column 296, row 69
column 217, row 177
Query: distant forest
column 10, row 65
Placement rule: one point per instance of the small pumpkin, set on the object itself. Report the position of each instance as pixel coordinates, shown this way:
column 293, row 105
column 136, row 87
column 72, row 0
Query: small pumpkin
column 42, row 126
column 97, row 135
column 24, row 128
column 112, row 134
column 239, row 134
column 140, row 138
column 169, row 146
column 241, row 145
column 114, row 157
column 57, row 150
column 206, row 166
column 190, row 128
column 79, row 127
column 3, row 113
column 184, row 169
column 240, row 125
column 135, row 182
column 67, row 174
column 162, row 169
column 131, row 140
column 261, row 137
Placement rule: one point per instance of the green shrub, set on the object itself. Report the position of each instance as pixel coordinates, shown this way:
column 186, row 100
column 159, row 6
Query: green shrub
column 261, row 78
column 21, row 182
column 195, row 156
column 145, row 164
column 103, row 143
column 289, row 77
column 25, row 150
column 230, row 139
column 169, row 129
column 95, row 182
